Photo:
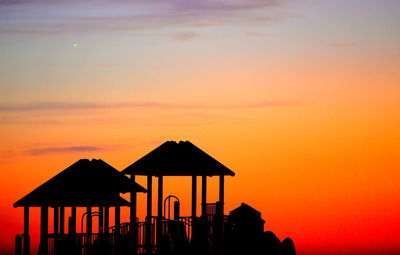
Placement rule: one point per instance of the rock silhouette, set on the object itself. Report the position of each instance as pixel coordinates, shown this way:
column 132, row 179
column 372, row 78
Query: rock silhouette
column 287, row 247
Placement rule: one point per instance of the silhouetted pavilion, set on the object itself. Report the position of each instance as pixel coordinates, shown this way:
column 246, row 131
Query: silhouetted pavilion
column 246, row 220
column 177, row 159
column 86, row 183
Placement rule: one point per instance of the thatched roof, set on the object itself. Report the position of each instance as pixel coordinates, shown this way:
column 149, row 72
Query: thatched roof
column 177, row 159
column 85, row 183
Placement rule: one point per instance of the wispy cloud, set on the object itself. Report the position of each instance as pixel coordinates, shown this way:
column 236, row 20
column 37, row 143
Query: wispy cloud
column 46, row 17
column 48, row 150
column 185, row 36
column 59, row 106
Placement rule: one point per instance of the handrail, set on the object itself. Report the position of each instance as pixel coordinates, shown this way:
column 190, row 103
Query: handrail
column 91, row 215
column 169, row 205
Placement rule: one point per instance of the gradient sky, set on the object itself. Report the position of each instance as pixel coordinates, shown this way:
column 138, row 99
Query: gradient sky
column 300, row 98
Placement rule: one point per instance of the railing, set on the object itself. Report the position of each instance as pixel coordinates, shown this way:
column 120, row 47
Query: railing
column 145, row 237
column 155, row 235
column 188, row 225
column 82, row 244
column 22, row 244
column 138, row 234
column 141, row 236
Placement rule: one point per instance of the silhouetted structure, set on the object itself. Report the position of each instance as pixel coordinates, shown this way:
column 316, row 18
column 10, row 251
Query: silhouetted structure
column 245, row 235
column 84, row 184
column 246, row 220
column 96, row 184
column 181, row 159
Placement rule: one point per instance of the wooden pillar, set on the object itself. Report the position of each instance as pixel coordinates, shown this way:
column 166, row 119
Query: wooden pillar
column 133, row 210
column 89, row 220
column 106, row 219
column 101, row 220
column 149, row 197
column 117, row 223
column 26, row 238
column 72, row 221
column 159, row 211
column 133, row 215
column 117, row 219
column 62, row 219
column 148, row 233
column 194, row 195
column 176, row 210
column 26, row 220
column 219, row 230
column 44, row 230
column 160, row 196
column 18, row 245
column 221, row 192
column 56, row 220
column 204, row 196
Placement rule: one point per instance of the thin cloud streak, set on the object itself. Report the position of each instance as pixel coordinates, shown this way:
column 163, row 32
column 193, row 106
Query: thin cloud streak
column 183, row 37
column 47, row 17
column 56, row 106
column 41, row 151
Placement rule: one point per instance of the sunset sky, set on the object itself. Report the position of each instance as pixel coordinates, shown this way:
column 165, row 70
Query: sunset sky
column 300, row 98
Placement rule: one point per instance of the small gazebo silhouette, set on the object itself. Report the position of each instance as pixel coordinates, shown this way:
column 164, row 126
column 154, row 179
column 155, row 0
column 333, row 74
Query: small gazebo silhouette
column 177, row 159
column 86, row 183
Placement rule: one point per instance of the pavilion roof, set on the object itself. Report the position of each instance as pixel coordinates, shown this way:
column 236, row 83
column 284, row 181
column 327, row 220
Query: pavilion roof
column 177, row 159
column 244, row 209
column 85, row 183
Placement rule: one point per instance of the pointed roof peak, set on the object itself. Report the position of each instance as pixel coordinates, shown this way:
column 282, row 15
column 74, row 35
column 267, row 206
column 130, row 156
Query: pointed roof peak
column 85, row 182
column 177, row 159
column 245, row 209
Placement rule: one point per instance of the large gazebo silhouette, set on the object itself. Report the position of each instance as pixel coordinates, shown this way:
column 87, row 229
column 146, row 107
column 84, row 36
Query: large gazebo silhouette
column 86, row 183
column 178, row 159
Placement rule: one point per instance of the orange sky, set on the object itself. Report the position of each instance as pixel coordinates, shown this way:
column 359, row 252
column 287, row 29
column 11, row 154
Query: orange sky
column 300, row 99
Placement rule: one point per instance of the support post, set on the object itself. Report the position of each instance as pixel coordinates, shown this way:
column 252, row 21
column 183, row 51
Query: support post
column 133, row 210
column 106, row 219
column 149, row 197
column 219, row 230
column 62, row 219
column 26, row 238
column 56, row 220
column 117, row 219
column 204, row 196
column 221, row 192
column 159, row 211
column 44, row 229
column 148, row 218
column 117, row 222
column 18, row 245
column 72, row 221
column 160, row 196
column 101, row 220
column 89, row 220
column 133, row 216
column 176, row 210
column 194, row 196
